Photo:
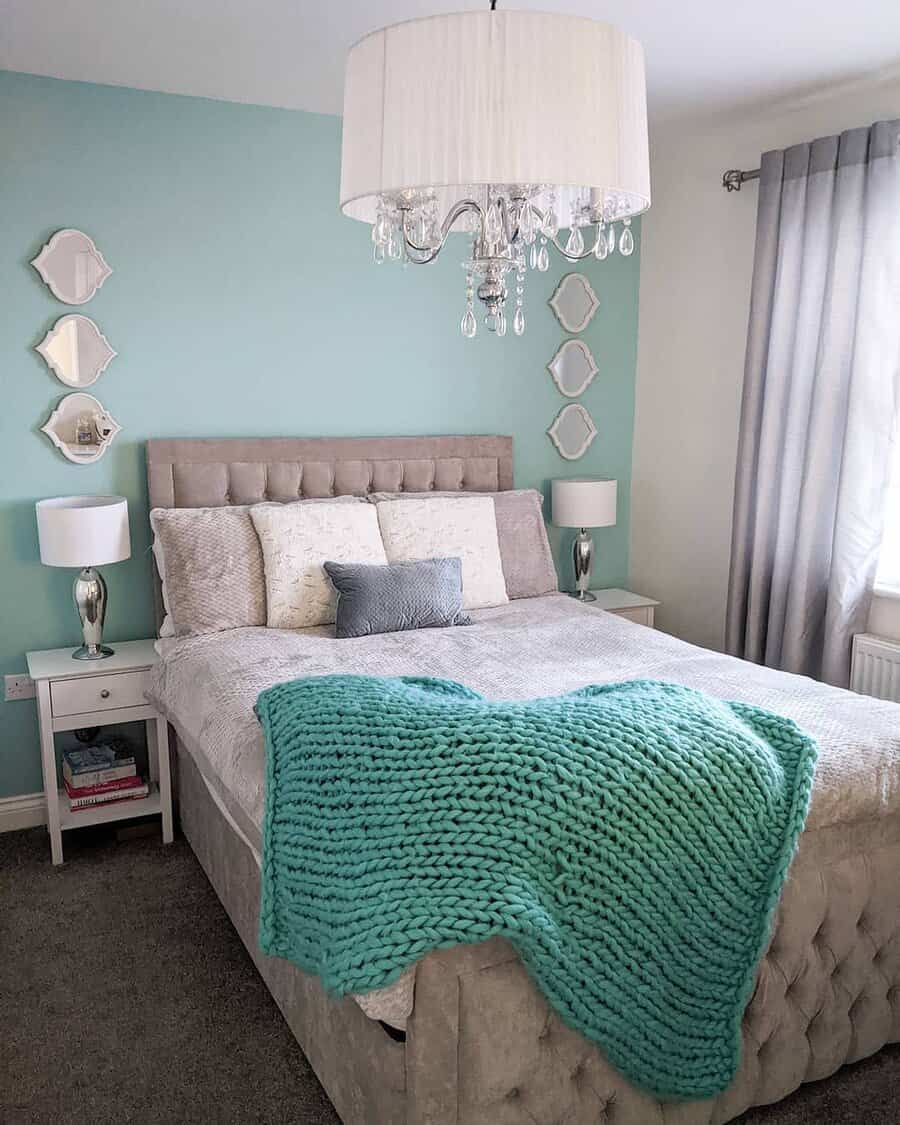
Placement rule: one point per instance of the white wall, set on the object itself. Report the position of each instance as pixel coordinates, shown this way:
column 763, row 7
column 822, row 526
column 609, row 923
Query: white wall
column 696, row 267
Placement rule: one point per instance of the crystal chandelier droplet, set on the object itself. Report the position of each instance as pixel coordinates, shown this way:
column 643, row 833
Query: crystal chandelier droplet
column 550, row 225
column 468, row 325
column 526, row 225
column 575, row 243
column 626, row 241
column 519, row 321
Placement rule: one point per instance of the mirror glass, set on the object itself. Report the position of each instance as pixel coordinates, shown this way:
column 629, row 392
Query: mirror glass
column 574, row 302
column 573, row 368
column 80, row 428
column 72, row 267
column 76, row 351
column 572, row 431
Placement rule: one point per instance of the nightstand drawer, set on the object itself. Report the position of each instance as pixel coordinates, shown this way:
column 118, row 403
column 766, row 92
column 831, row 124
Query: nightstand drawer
column 641, row 615
column 98, row 693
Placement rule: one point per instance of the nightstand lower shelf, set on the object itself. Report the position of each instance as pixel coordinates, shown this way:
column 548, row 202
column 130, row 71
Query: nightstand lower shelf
column 106, row 814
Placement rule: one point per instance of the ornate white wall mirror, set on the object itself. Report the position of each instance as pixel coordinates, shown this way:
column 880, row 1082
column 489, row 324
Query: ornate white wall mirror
column 573, row 368
column 80, row 428
column 76, row 351
column 574, row 302
column 72, row 267
column 572, row 431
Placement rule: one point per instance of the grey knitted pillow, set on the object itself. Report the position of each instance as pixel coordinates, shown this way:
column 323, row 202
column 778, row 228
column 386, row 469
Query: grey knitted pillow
column 422, row 594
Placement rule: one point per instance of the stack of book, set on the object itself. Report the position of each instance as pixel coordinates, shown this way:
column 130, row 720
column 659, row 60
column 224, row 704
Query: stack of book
column 99, row 775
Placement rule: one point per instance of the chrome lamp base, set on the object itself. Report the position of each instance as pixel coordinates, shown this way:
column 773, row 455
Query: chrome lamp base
column 583, row 596
column 97, row 652
column 89, row 592
column 583, row 558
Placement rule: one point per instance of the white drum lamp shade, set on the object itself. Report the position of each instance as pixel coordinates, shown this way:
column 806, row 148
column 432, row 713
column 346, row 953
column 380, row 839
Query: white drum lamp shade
column 584, row 502
column 83, row 531
column 503, row 98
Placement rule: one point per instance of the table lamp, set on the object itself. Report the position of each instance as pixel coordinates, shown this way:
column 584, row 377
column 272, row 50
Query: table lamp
column 583, row 502
column 85, row 532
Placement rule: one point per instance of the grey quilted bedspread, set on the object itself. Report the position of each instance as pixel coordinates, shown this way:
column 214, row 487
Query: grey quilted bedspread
column 531, row 647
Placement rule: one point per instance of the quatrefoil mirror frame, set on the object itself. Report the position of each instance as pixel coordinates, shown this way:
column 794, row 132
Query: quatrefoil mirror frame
column 54, row 259
column 555, row 431
column 573, row 352
column 74, row 342
column 60, row 427
column 574, row 287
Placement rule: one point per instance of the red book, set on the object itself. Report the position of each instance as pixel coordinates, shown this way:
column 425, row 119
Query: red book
column 133, row 782
column 79, row 804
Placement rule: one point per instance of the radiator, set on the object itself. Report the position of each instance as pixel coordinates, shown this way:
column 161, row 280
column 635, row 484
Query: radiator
column 875, row 668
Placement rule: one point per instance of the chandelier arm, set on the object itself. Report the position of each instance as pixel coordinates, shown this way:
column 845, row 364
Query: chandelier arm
column 585, row 254
column 429, row 253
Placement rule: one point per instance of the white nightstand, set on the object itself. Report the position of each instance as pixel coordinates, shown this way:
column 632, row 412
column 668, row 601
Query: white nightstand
column 72, row 694
column 625, row 604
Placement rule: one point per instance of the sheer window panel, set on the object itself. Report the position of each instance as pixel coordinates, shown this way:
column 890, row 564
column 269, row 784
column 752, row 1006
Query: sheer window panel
column 888, row 578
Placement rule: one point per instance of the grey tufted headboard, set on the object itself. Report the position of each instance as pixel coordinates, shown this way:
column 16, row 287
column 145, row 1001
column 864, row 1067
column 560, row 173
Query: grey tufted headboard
column 212, row 473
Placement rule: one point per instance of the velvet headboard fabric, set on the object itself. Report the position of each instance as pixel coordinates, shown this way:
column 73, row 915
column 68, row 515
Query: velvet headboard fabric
column 212, row 473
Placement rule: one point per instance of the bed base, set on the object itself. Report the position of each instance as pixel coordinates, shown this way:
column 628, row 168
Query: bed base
column 483, row 1048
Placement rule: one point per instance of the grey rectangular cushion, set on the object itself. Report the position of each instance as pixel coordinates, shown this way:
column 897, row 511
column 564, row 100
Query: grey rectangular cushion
column 424, row 594
column 525, row 554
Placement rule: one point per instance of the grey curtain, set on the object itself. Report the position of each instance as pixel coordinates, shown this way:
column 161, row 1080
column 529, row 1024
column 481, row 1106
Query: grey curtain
column 820, row 400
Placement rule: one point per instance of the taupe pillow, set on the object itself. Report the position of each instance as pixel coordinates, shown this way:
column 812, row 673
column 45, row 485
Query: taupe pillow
column 210, row 563
column 213, row 569
column 525, row 554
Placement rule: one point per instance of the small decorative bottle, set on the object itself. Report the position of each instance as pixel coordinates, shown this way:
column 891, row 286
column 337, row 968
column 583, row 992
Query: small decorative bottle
column 84, row 430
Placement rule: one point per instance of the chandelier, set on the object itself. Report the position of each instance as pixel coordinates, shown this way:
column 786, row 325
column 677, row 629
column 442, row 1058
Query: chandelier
column 524, row 130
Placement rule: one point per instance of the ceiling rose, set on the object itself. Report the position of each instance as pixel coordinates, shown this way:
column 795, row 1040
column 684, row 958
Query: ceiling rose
column 505, row 125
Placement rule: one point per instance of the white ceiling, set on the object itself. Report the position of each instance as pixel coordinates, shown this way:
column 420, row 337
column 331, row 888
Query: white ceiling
column 703, row 56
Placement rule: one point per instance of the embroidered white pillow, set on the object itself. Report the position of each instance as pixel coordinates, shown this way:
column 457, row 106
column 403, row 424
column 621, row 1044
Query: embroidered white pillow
column 296, row 540
column 463, row 528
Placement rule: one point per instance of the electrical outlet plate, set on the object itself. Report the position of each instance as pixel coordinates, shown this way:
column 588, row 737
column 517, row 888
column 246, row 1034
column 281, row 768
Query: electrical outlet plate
column 19, row 686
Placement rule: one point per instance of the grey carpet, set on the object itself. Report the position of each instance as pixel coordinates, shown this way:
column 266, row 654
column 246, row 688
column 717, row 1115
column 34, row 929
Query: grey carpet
column 127, row 996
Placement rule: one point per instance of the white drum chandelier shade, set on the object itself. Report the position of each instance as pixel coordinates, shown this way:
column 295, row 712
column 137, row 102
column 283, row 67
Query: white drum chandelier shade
column 507, row 124
column 480, row 98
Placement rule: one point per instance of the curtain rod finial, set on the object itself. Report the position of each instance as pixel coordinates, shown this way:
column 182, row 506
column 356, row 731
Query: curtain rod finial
column 732, row 179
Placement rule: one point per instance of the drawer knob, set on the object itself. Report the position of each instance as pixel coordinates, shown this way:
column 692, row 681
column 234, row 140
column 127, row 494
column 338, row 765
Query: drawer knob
column 104, row 694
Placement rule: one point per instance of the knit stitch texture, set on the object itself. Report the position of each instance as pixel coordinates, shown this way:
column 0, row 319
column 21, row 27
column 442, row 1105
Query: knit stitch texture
column 630, row 840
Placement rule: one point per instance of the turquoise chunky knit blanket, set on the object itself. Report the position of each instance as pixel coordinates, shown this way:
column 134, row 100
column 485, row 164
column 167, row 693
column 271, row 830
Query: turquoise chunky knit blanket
column 630, row 840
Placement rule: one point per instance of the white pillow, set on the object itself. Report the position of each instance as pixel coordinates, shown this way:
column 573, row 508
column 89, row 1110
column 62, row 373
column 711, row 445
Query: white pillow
column 296, row 540
column 463, row 528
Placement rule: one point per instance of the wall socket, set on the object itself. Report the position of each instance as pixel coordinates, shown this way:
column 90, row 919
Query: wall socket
column 20, row 686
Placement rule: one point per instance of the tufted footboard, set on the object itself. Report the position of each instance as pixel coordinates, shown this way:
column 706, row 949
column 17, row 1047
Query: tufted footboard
column 483, row 1048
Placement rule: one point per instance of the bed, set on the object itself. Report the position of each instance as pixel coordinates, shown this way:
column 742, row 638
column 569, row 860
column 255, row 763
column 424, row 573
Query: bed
column 465, row 1037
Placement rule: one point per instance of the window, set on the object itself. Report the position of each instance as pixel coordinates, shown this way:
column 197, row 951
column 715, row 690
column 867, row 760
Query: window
column 889, row 561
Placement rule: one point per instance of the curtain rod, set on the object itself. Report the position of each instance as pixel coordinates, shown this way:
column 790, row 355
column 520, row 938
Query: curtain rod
column 734, row 177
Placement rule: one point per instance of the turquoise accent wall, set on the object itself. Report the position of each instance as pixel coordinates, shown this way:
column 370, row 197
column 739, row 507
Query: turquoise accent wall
column 243, row 303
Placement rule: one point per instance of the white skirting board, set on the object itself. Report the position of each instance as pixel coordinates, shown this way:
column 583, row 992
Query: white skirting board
column 22, row 812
